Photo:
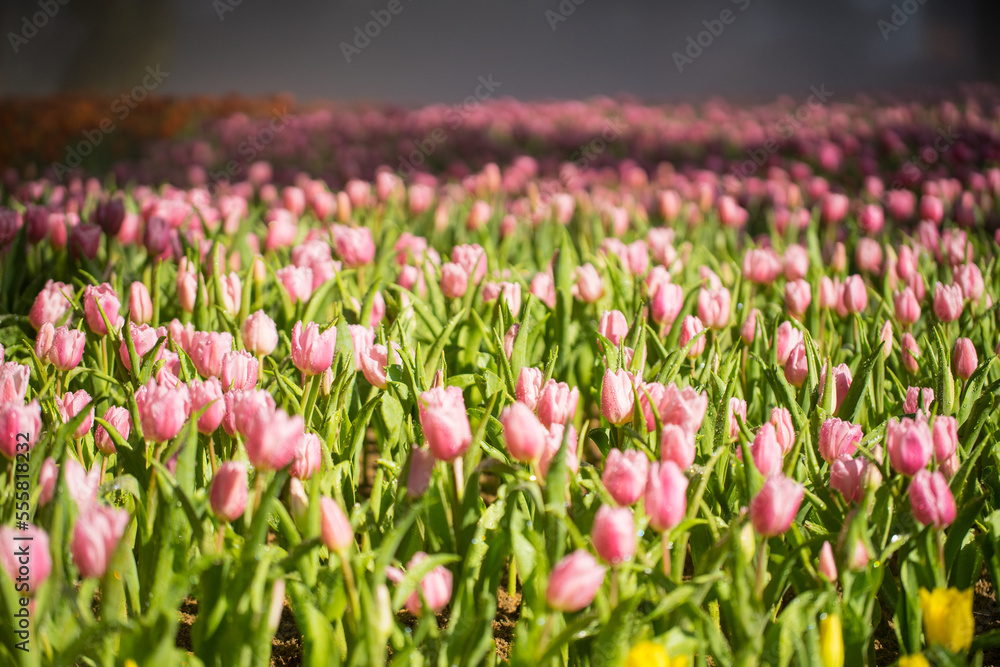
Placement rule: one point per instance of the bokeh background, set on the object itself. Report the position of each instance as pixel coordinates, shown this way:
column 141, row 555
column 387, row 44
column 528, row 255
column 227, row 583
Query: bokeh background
column 434, row 50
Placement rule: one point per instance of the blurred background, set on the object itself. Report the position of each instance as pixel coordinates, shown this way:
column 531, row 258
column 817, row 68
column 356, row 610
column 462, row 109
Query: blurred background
column 433, row 50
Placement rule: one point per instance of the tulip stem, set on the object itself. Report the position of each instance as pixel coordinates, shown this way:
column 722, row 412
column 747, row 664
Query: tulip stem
column 311, row 394
column 459, row 483
column 665, row 544
column 211, row 455
column 352, row 591
column 761, row 567
column 613, row 598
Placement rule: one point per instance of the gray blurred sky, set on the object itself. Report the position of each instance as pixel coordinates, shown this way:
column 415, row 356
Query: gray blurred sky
column 434, row 50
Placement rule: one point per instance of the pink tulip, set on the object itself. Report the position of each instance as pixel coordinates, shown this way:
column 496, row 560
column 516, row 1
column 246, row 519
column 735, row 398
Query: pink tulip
column 523, row 433
column 95, row 537
column 207, row 394
column 43, row 343
column 435, row 587
column 121, row 421
column 444, row 422
column 308, row 456
column 827, row 565
column 228, row 495
column 140, row 304
column 855, row 294
column 868, row 256
column 574, row 581
column 454, row 281
column 665, row 497
column 948, row 302
column 361, row 339
column 543, row 287
column 666, row 304
column 272, row 438
column 589, row 286
column 774, row 508
column 749, row 329
column 67, row 348
column 798, row 296
column 837, row 438
column 651, row 397
column 16, row 421
column 208, row 348
column 910, row 444
column 614, row 534
column 907, row 307
column 554, row 442
column 242, row 406
column 472, row 258
column 625, row 475
column 737, row 406
column 713, row 307
column 617, row 397
column 53, row 304
column 239, row 370
column 834, row 207
column 970, row 279
column 297, row 281
column 931, row 499
column 963, row 359
column 557, row 403
column 164, row 411
column 761, row 265
column 73, row 403
column 871, row 219
column 945, row 436
column 106, row 296
column 47, row 477
column 931, row 208
column 766, row 451
column 796, row 261
column 784, row 431
column 913, row 394
column 421, row 470
column 335, row 527
column 613, row 326
column 786, row 339
column 797, row 366
column 684, row 407
column 14, row 380
column 312, row 351
column 678, row 446
column 690, row 328
column 529, row 386
column 842, row 380
column 374, row 363
column 260, row 335
column 25, row 556
column 354, row 245
column 847, row 476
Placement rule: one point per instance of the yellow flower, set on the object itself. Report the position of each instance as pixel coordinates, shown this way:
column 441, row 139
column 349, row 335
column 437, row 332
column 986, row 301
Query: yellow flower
column 915, row 660
column 831, row 641
column 948, row 618
column 651, row 654
column 129, row 662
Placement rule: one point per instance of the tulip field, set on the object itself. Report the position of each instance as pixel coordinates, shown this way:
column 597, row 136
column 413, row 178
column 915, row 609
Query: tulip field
column 696, row 391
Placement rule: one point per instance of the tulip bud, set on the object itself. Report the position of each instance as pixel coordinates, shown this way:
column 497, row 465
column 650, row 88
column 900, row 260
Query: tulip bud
column 907, row 307
column 665, row 496
column 931, row 499
column 846, row 476
column 272, row 438
column 964, row 359
column 613, row 326
column 106, row 296
column 774, row 508
column 910, row 353
column 524, row 434
column 948, row 301
column 338, row 535
column 66, row 350
column 947, row 618
column 749, row 329
column 312, row 351
column 625, row 475
column 574, row 581
column 421, row 470
column 435, row 587
column 766, row 451
column 838, row 437
column 17, row 420
column 95, row 537
column 786, row 339
column 945, row 436
column 444, row 422
column 713, row 307
column 298, row 500
column 228, row 495
column 614, row 534
column 666, row 304
column 140, row 304
column 617, row 397
column 855, row 294
column 798, row 296
column 910, row 445
column 557, row 403
column 797, row 366
column 690, row 328
column 260, row 335
column 43, row 343
column 529, row 386
column 784, row 430
column 677, row 445
column 308, row 456
column 121, row 421
column 73, row 403
column 827, row 564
